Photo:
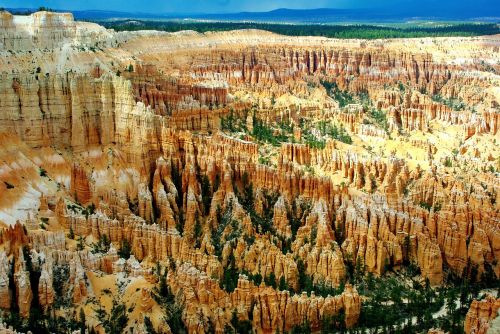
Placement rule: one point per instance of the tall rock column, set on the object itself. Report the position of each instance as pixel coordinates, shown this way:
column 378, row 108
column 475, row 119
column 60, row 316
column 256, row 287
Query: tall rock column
column 80, row 187
column 23, row 286
column 4, row 282
column 45, row 288
column 480, row 313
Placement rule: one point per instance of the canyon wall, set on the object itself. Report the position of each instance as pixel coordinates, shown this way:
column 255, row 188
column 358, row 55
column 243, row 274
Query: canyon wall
column 169, row 143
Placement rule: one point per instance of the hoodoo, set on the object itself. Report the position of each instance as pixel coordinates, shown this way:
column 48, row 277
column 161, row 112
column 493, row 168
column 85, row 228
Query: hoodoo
column 238, row 181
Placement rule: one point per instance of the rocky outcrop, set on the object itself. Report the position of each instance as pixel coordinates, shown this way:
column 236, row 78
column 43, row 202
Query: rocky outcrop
column 24, row 295
column 5, row 271
column 480, row 314
column 7, row 330
column 271, row 310
column 70, row 110
column 47, row 30
column 45, row 288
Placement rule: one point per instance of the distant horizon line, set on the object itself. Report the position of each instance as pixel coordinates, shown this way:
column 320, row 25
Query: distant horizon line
column 191, row 13
column 377, row 12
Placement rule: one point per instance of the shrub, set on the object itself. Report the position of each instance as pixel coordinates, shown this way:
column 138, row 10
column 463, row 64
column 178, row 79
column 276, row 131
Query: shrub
column 425, row 205
column 206, row 194
column 238, row 326
column 42, row 172
column 125, row 249
column 198, row 231
column 343, row 97
column 230, row 276
column 149, row 326
column 453, row 103
column 380, row 118
column 270, row 280
column 102, row 245
column 114, row 322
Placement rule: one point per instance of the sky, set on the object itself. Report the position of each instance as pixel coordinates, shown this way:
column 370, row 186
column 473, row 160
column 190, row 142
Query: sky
column 490, row 7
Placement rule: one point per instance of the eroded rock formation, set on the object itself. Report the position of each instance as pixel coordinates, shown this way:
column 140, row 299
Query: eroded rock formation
column 480, row 315
column 237, row 165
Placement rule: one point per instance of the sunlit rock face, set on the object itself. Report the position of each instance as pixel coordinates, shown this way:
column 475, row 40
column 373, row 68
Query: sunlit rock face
column 480, row 315
column 230, row 156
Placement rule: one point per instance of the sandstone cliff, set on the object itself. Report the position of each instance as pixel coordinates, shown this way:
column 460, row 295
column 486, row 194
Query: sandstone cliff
column 237, row 167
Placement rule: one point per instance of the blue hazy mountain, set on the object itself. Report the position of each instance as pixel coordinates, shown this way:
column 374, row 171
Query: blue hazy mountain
column 319, row 15
column 325, row 15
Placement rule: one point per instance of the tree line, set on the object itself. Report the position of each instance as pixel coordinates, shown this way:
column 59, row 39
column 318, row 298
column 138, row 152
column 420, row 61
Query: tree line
column 363, row 31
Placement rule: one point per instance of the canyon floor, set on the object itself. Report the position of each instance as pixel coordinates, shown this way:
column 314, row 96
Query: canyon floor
column 244, row 181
